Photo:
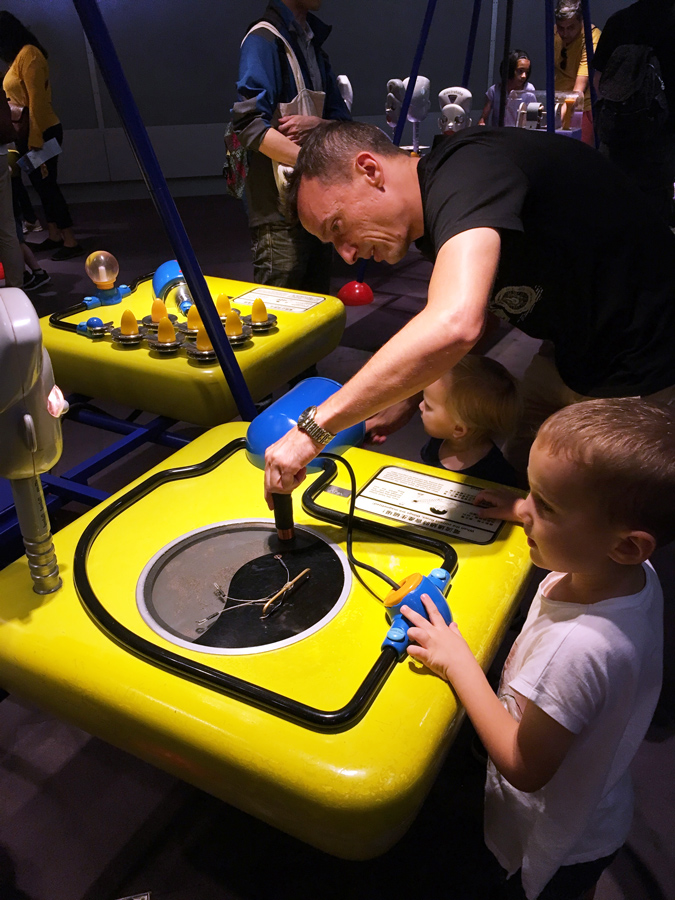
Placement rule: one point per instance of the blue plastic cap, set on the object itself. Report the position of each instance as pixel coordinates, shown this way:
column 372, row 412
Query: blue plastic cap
column 278, row 419
column 168, row 274
column 94, row 322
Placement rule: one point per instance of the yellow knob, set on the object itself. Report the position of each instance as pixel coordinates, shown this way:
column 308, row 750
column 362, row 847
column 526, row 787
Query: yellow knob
column 223, row 304
column 193, row 317
column 203, row 342
column 233, row 324
column 128, row 325
column 258, row 311
column 158, row 310
column 166, row 332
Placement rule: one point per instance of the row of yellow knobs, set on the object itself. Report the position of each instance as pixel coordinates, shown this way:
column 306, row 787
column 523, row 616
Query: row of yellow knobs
column 166, row 333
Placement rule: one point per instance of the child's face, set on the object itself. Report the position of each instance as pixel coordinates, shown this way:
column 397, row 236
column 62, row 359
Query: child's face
column 522, row 73
column 566, row 531
column 437, row 416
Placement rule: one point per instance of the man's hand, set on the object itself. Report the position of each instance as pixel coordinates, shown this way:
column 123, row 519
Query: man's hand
column 391, row 419
column 439, row 646
column 297, row 128
column 498, row 503
column 286, row 463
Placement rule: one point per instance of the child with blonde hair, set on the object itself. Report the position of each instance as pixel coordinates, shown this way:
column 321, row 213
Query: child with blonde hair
column 580, row 685
column 465, row 412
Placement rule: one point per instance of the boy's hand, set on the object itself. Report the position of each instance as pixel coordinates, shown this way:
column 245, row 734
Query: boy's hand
column 439, row 646
column 498, row 503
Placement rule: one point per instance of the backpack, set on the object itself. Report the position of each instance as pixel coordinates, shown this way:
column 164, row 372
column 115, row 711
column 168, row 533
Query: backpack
column 235, row 169
column 633, row 108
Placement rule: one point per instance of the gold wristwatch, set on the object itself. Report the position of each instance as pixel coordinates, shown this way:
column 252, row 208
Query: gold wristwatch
column 307, row 424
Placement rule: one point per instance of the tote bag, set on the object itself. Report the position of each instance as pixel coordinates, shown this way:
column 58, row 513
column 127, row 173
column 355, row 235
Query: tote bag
column 305, row 103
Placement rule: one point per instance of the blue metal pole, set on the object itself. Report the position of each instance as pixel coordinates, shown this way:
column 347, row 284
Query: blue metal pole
column 109, row 64
column 550, row 65
column 414, row 72
column 588, row 38
column 471, row 46
column 503, row 69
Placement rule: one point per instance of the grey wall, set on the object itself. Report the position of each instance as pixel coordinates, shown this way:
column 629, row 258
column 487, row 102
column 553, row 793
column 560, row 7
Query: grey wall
column 180, row 57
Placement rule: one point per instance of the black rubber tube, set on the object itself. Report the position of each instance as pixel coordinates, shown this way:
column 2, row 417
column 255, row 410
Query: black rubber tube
column 269, row 701
column 398, row 535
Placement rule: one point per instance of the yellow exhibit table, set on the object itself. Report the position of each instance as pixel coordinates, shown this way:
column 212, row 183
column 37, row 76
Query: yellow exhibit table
column 308, row 328
column 350, row 786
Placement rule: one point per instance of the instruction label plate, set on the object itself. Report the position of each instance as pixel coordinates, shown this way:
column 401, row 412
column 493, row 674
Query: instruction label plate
column 286, row 301
column 433, row 503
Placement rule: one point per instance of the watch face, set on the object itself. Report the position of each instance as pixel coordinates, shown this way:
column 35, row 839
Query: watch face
column 305, row 415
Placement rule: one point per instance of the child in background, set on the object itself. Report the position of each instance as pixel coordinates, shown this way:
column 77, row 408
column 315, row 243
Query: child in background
column 582, row 680
column 464, row 412
column 518, row 72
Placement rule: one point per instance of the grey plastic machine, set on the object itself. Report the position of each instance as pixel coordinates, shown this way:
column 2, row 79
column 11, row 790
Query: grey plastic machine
column 31, row 406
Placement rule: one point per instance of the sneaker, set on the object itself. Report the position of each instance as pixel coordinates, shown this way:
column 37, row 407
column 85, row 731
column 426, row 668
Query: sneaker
column 68, row 252
column 33, row 281
column 32, row 226
column 47, row 244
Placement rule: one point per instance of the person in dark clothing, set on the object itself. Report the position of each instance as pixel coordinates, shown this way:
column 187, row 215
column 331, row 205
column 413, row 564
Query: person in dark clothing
column 284, row 254
column 488, row 207
column 648, row 160
column 464, row 413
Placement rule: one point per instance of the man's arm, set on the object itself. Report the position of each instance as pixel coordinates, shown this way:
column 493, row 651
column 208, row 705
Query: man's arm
column 527, row 753
column 430, row 344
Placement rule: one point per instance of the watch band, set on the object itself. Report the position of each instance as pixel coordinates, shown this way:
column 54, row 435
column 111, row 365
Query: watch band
column 307, row 424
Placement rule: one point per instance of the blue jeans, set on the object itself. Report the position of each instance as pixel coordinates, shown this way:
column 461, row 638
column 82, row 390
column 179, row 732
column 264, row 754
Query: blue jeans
column 290, row 257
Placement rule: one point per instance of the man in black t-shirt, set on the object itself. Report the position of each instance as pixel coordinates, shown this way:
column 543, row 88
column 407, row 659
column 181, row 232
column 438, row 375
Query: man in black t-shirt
column 538, row 229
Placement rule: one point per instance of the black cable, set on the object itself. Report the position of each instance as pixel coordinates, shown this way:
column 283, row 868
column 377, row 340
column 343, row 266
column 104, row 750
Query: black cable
column 388, row 532
column 350, row 524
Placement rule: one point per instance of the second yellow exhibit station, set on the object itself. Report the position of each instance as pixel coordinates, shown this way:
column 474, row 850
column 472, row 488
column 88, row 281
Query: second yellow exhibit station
column 306, row 328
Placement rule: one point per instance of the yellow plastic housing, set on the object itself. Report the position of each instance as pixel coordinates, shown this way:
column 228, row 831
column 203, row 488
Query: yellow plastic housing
column 223, row 305
column 193, row 318
column 202, row 342
column 166, row 333
column 158, row 311
column 352, row 793
column 258, row 311
column 129, row 324
column 173, row 386
column 233, row 326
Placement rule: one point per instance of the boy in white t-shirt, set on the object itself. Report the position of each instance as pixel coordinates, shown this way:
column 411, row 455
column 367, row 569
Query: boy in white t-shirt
column 581, row 682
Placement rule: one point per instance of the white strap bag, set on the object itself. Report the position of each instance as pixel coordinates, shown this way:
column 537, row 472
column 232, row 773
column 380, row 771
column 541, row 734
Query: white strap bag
column 305, row 103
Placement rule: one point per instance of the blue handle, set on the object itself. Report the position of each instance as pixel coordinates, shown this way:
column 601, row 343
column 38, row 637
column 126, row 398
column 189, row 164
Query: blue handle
column 435, row 585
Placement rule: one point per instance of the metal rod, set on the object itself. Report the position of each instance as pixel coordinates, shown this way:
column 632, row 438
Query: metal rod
column 504, row 68
column 414, row 72
column 120, row 93
column 471, row 45
column 550, row 65
column 588, row 38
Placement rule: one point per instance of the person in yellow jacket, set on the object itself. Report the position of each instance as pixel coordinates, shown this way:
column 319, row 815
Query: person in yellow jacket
column 27, row 85
column 571, row 65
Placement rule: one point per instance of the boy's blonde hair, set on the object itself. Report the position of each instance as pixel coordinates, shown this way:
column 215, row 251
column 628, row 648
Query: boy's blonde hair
column 627, row 446
column 483, row 395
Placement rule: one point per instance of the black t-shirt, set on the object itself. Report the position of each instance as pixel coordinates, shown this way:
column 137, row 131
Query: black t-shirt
column 492, row 467
column 583, row 262
column 643, row 24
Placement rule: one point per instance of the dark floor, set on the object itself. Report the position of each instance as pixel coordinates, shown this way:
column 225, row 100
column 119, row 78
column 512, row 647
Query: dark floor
column 81, row 820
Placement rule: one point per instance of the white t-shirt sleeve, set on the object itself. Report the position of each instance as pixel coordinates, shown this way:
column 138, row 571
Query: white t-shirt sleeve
column 572, row 686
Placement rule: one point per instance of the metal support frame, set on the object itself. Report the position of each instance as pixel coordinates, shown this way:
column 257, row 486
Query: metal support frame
column 120, row 93
column 72, row 485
